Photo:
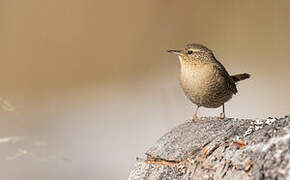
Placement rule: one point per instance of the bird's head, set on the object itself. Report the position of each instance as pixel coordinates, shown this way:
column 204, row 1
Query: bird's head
column 193, row 53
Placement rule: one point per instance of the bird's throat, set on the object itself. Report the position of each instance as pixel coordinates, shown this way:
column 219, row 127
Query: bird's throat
column 195, row 74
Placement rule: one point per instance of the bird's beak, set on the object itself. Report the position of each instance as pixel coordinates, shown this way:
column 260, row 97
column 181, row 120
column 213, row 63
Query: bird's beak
column 178, row 52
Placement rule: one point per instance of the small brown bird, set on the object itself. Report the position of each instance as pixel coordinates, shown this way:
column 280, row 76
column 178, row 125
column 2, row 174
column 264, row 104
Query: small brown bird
column 204, row 79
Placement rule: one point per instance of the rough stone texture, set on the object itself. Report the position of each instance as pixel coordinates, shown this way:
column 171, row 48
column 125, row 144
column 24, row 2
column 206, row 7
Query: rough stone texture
column 220, row 149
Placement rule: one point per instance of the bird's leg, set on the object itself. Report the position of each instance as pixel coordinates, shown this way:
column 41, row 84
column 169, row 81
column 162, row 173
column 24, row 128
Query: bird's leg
column 223, row 115
column 195, row 113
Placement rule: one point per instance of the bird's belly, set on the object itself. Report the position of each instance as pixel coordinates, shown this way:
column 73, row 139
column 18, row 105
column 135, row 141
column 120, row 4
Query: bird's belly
column 205, row 87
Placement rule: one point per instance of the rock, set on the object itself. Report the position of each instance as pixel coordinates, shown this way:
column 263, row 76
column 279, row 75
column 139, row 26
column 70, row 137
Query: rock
column 220, row 149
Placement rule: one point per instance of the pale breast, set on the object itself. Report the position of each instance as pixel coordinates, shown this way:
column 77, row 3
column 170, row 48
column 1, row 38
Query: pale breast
column 203, row 85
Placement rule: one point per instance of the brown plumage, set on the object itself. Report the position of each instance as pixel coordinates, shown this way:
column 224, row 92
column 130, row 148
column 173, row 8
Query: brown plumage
column 204, row 79
column 240, row 77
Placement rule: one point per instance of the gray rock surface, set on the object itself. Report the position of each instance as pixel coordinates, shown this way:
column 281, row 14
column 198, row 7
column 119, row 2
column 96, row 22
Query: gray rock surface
column 220, row 149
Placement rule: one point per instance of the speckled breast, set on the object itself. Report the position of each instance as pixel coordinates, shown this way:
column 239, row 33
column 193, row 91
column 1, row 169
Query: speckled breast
column 203, row 85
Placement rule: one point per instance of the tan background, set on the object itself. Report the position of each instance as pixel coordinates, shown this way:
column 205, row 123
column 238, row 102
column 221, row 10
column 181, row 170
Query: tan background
column 93, row 87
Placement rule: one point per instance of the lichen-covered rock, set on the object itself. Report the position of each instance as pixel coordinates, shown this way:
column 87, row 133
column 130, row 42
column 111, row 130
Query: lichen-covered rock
column 220, row 149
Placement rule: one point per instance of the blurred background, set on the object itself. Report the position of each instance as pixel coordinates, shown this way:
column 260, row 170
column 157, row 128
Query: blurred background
column 87, row 86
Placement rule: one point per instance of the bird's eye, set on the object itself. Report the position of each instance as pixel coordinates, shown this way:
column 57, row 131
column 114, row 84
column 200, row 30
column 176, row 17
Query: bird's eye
column 189, row 52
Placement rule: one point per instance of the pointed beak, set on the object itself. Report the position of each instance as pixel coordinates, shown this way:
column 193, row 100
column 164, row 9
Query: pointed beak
column 178, row 52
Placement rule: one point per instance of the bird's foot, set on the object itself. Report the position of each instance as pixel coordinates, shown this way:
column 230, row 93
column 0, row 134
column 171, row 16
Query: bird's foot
column 223, row 116
column 195, row 118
